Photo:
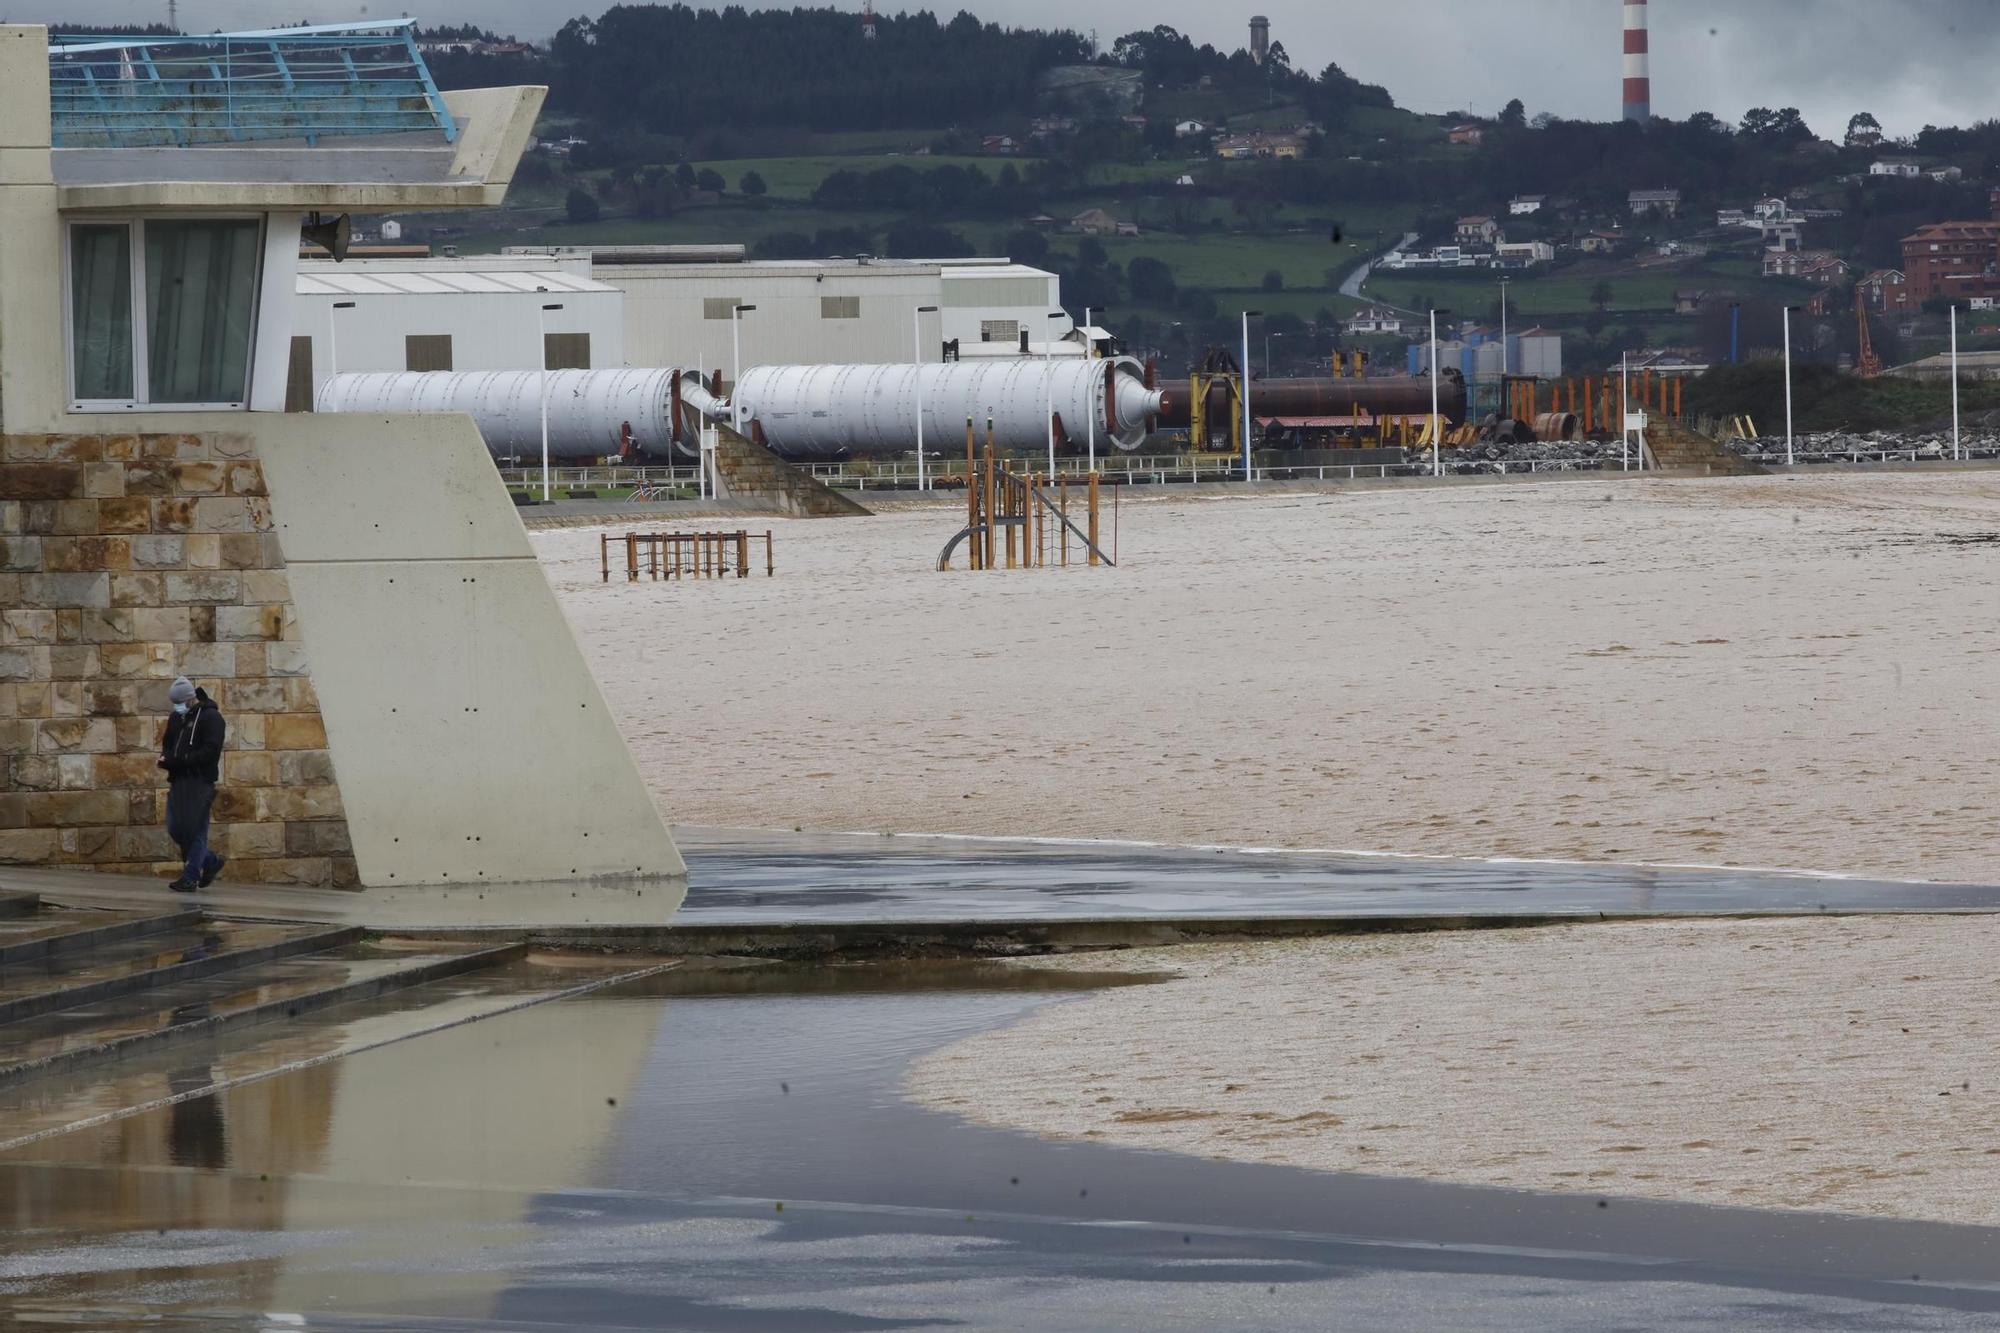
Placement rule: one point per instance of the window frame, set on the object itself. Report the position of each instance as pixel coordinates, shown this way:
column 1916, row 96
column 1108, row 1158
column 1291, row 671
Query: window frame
column 135, row 240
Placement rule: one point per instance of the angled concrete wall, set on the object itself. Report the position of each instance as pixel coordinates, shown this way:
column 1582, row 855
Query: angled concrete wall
column 471, row 740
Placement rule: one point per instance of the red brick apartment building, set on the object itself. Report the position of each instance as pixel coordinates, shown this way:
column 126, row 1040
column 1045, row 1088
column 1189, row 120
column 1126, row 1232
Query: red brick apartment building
column 1953, row 259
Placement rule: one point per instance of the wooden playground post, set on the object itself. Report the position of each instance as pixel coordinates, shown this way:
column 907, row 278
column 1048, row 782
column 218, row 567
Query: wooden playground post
column 1679, row 384
column 770, row 562
column 742, row 554
column 1063, row 527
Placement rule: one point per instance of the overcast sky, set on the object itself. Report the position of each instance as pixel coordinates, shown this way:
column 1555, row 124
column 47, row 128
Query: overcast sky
column 1911, row 62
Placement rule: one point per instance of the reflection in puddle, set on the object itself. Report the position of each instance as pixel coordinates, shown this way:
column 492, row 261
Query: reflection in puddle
column 719, row 977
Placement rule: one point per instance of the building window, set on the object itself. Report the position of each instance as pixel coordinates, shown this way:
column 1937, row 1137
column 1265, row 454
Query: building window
column 427, row 351
column 100, row 324
column 299, row 375
column 163, row 311
column 840, row 307
column 719, row 307
column 999, row 330
column 566, row 351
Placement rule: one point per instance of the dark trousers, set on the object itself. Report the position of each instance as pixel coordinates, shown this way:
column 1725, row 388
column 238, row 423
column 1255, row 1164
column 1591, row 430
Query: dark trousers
column 189, row 800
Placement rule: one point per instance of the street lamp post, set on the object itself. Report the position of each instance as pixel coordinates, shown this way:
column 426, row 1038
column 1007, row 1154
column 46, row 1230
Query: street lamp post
column 1506, row 368
column 736, row 313
column 1791, row 459
column 1049, row 375
column 1090, row 383
column 1625, row 413
column 1956, row 453
column 1248, row 315
column 1437, row 419
column 917, row 322
column 542, row 323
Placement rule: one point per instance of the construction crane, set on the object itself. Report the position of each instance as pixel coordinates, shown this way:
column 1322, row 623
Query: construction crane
column 1866, row 363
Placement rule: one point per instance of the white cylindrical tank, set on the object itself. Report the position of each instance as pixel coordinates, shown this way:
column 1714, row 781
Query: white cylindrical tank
column 588, row 409
column 831, row 412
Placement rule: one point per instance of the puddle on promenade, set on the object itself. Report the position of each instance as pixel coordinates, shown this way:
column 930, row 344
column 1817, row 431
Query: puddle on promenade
column 636, row 1143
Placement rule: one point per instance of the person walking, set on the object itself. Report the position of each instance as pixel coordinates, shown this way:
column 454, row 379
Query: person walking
column 191, row 753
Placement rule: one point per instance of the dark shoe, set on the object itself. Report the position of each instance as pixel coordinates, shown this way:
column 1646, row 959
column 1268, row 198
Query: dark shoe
column 208, row 875
column 183, row 886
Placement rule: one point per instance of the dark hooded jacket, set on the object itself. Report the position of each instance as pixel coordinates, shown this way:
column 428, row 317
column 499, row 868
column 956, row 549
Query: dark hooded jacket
column 192, row 746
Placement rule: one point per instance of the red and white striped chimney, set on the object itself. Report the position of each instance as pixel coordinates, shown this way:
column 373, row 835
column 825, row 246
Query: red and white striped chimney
column 1638, row 71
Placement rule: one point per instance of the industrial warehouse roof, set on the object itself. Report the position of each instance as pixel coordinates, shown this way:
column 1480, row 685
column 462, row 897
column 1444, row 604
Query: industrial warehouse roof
column 441, row 281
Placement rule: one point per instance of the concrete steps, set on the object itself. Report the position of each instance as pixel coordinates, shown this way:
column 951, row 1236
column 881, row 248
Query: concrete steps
column 749, row 471
column 1676, row 448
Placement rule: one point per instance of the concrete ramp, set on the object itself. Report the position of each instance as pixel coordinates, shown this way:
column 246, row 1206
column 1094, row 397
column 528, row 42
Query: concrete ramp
column 1679, row 448
column 749, row 471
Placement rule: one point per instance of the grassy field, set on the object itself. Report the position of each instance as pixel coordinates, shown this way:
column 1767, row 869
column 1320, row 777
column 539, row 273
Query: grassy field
column 1567, row 292
column 798, row 177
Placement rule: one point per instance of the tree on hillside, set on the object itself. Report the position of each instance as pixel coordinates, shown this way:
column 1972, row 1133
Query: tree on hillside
column 1025, row 245
column 1601, row 295
column 1274, row 281
column 581, row 206
column 1863, row 131
column 1150, row 280
column 1775, row 127
column 1514, row 116
column 752, row 184
column 684, row 175
column 708, row 178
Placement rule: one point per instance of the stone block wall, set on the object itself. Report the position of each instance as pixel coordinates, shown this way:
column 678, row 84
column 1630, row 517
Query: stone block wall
column 126, row 560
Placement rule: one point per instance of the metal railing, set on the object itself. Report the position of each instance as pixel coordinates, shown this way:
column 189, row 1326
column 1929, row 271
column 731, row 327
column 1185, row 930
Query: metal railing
column 338, row 80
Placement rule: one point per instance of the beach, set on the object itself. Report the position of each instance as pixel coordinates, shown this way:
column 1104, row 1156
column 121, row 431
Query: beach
column 1833, row 1065
column 1775, row 672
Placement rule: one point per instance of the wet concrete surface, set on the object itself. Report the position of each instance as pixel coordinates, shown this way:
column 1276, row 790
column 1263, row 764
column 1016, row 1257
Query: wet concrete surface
column 728, row 1149
column 766, row 877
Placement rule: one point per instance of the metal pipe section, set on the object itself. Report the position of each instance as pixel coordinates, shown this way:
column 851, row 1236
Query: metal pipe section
column 592, row 413
column 833, row 412
column 1380, row 396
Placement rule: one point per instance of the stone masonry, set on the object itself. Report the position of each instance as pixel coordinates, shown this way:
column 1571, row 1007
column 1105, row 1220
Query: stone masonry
column 126, row 560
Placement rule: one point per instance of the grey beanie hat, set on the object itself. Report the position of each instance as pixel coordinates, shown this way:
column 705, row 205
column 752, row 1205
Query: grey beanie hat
column 181, row 691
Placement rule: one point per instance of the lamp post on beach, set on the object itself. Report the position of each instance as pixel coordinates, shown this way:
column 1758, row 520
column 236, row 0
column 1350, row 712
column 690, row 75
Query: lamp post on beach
column 1049, row 379
column 1505, row 368
column 1625, row 412
column 1437, row 419
column 1956, row 453
column 542, row 323
column 1248, row 315
column 736, row 313
column 917, row 347
column 1791, row 459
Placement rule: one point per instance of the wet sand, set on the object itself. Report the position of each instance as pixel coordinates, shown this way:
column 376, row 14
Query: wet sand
column 1832, row 1065
column 1767, row 672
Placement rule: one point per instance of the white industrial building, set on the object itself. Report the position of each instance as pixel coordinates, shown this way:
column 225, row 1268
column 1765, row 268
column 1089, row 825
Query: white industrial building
column 678, row 301
column 483, row 313
column 664, row 307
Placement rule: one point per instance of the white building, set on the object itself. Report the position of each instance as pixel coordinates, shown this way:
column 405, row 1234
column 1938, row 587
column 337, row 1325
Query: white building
column 828, row 311
column 1374, row 320
column 666, row 306
column 1524, row 253
column 1526, row 205
column 450, row 314
column 1904, row 167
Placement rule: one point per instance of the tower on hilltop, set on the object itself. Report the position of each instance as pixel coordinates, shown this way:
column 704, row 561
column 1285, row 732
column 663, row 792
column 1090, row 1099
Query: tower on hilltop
column 868, row 19
column 1638, row 64
column 1260, row 38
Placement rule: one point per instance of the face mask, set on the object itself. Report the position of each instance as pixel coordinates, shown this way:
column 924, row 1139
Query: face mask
column 181, row 709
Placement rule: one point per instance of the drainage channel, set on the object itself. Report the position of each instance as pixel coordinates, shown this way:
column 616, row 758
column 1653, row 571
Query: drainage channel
column 727, row 1147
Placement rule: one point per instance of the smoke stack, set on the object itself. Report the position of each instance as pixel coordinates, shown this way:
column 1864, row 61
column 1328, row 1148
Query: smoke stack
column 1638, row 68
column 1260, row 38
